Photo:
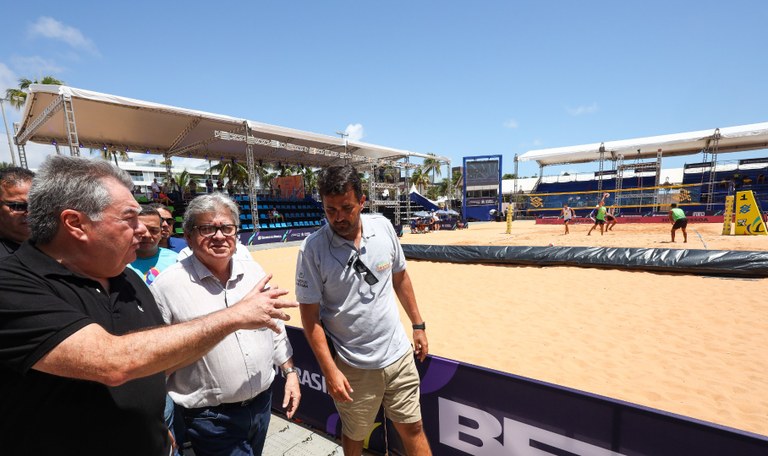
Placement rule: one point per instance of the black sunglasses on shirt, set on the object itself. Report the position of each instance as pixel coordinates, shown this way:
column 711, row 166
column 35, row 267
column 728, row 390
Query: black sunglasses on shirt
column 361, row 268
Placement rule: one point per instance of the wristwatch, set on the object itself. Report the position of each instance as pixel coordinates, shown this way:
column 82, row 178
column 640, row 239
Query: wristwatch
column 422, row 326
column 289, row 371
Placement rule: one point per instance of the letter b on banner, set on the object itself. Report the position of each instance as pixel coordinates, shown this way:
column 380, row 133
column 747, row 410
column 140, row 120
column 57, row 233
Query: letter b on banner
column 476, row 432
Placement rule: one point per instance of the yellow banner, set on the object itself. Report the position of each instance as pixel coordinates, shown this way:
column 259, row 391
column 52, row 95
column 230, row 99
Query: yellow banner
column 728, row 215
column 749, row 217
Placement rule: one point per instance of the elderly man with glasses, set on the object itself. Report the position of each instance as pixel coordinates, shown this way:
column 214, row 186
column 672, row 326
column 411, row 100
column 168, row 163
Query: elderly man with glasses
column 14, row 188
column 226, row 395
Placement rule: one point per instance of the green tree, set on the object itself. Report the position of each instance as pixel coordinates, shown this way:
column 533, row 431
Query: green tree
column 265, row 174
column 433, row 192
column 431, row 166
column 420, row 179
column 232, row 171
column 309, row 176
column 445, row 188
column 18, row 96
column 182, row 180
column 111, row 153
column 509, row 176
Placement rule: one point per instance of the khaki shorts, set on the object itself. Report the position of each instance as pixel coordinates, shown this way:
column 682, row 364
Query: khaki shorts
column 395, row 386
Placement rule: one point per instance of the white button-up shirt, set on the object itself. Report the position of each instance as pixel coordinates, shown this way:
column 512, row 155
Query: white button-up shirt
column 241, row 365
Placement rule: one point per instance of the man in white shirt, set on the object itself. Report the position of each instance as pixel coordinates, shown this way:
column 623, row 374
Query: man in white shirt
column 226, row 394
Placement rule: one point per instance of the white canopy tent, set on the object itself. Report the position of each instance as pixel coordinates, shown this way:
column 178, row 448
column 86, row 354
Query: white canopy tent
column 77, row 118
column 101, row 120
column 729, row 139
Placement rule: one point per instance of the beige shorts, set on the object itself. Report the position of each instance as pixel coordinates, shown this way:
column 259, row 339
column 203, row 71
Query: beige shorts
column 395, row 386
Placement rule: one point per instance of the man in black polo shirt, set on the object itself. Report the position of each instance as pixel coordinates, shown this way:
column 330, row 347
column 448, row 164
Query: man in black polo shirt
column 82, row 347
column 14, row 189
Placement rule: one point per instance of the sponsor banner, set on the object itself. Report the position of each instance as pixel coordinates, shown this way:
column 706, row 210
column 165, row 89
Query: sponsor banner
column 266, row 237
column 469, row 410
column 749, row 217
column 288, row 187
column 490, row 201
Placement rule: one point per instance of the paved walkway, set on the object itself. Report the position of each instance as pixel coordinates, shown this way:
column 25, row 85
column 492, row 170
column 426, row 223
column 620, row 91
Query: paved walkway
column 290, row 439
column 287, row 438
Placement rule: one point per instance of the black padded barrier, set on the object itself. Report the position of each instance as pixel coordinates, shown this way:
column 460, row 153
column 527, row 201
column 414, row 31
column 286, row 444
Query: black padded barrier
column 727, row 263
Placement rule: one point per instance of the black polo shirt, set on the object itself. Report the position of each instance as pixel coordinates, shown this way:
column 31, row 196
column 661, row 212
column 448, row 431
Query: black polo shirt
column 7, row 247
column 41, row 304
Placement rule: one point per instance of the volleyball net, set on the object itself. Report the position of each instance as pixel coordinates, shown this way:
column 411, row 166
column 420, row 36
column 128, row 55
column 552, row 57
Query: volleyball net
column 637, row 200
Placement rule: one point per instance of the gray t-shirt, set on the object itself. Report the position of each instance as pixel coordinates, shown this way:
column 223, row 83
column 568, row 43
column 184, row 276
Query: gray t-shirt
column 362, row 320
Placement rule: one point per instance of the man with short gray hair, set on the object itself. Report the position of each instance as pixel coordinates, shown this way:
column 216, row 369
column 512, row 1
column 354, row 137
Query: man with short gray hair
column 83, row 352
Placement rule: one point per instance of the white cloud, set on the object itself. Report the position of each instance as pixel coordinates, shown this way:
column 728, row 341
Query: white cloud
column 511, row 124
column 48, row 27
column 35, row 67
column 8, row 79
column 355, row 132
column 581, row 110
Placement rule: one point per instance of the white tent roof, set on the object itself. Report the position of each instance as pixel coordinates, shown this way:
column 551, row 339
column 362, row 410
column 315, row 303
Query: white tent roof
column 732, row 139
column 142, row 126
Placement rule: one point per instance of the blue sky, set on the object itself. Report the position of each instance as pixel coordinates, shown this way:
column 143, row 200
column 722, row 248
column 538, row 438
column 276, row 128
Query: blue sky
column 451, row 78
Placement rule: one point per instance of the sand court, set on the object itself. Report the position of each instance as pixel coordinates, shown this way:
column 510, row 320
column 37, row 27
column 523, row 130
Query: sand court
column 687, row 344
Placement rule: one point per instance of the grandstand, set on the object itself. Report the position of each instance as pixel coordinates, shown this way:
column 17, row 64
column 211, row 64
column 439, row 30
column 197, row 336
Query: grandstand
column 635, row 185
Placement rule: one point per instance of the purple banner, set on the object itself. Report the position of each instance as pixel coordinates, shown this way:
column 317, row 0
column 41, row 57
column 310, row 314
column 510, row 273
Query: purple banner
column 266, row 237
column 471, row 410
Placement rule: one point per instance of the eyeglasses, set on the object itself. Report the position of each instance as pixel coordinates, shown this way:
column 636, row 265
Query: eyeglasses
column 169, row 220
column 15, row 206
column 368, row 276
column 210, row 230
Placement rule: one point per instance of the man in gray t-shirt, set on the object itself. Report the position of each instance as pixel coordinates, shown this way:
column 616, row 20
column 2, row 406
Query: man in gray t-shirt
column 345, row 277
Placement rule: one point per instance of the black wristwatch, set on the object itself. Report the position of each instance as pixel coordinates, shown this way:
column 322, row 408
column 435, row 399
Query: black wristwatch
column 422, row 326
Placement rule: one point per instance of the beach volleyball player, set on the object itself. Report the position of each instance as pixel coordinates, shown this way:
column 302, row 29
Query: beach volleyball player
column 567, row 214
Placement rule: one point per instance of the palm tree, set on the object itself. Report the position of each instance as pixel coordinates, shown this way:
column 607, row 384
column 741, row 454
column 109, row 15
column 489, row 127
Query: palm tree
column 233, row 171
column 182, row 180
column 113, row 153
column 310, row 179
column 265, row 175
column 433, row 192
column 17, row 97
column 431, row 166
column 420, row 179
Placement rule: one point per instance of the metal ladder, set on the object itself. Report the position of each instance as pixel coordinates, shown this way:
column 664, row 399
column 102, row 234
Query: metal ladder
column 713, row 170
column 69, row 121
column 619, row 180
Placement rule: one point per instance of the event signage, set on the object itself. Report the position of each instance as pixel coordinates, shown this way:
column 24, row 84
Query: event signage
column 469, row 410
column 266, row 237
column 480, row 201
